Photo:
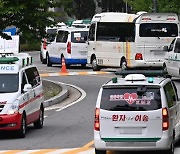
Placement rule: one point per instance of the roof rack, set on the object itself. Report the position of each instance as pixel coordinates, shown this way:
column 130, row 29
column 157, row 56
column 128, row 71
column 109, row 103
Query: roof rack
column 147, row 73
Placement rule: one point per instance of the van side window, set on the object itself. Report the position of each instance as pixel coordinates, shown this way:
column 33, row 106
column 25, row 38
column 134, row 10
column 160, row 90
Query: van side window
column 177, row 46
column 59, row 37
column 33, row 76
column 170, row 95
column 65, row 37
column 91, row 35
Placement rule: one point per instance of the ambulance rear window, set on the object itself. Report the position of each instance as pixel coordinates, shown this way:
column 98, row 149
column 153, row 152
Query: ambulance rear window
column 9, row 83
column 140, row 98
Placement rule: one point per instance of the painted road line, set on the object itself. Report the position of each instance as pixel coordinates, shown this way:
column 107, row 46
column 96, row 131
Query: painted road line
column 51, row 151
column 74, row 73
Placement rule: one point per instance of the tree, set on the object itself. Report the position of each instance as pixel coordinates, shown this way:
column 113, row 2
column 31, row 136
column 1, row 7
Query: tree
column 80, row 9
column 162, row 5
column 112, row 5
column 30, row 17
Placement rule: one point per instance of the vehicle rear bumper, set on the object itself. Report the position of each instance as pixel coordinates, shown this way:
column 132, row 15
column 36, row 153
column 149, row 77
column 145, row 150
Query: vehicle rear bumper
column 142, row 63
column 162, row 144
column 10, row 122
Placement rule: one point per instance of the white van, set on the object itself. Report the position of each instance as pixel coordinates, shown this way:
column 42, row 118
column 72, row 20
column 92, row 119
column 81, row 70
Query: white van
column 137, row 113
column 21, row 94
column 51, row 33
column 130, row 40
column 172, row 58
column 69, row 43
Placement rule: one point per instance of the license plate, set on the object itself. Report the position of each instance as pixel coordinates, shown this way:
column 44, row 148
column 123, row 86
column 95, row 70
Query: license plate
column 83, row 52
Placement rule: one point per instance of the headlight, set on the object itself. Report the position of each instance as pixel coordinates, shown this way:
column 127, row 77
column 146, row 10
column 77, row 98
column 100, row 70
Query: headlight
column 14, row 108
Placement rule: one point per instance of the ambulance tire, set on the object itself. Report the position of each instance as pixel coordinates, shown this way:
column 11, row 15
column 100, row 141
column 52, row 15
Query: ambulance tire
column 100, row 151
column 94, row 64
column 22, row 131
column 49, row 64
column 39, row 123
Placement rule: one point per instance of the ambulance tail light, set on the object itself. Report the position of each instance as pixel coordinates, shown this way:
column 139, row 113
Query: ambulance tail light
column 165, row 119
column 96, row 120
column 138, row 56
column 69, row 47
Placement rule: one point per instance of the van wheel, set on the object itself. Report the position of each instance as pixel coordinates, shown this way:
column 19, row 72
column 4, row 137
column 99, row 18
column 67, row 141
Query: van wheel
column 100, row 151
column 95, row 66
column 44, row 61
column 22, row 132
column 39, row 123
column 123, row 64
column 49, row 64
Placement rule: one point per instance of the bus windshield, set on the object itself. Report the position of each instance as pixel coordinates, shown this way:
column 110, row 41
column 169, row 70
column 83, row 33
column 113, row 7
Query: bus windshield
column 115, row 32
column 158, row 30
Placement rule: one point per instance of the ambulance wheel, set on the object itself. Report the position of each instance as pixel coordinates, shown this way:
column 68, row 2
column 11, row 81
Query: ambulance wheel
column 100, row 151
column 95, row 66
column 49, row 64
column 22, row 131
column 39, row 123
column 123, row 64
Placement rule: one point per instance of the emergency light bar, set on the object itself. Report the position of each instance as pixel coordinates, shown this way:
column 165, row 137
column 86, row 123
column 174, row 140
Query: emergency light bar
column 8, row 60
column 147, row 73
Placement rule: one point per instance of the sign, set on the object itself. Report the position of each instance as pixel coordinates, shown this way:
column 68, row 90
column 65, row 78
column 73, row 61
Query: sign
column 9, row 46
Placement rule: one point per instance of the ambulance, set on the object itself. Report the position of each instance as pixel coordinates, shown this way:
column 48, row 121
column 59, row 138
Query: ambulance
column 21, row 94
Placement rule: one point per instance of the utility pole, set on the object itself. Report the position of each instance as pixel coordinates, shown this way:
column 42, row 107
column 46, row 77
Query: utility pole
column 155, row 6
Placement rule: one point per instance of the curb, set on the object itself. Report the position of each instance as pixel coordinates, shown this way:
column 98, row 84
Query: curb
column 60, row 97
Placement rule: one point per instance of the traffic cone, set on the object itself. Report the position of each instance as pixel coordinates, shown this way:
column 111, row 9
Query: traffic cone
column 63, row 65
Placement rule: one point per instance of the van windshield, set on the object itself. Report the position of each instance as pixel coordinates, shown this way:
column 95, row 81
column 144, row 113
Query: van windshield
column 131, row 98
column 158, row 30
column 115, row 32
column 79, row 36
column 9, row 83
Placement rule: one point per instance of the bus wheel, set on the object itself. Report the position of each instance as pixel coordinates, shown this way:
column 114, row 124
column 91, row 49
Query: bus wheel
column 95, row 66
column 123, row 65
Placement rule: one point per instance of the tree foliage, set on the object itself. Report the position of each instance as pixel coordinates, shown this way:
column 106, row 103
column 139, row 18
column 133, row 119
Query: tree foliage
column 29, row 16
column 79, row 9
column 112, row 5
column 162, row 5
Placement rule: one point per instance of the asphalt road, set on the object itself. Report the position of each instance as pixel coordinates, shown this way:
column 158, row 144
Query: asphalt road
column 71, row 127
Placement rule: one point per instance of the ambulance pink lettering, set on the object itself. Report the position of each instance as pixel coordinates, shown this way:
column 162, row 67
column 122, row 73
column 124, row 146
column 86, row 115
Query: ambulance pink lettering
column 120, row 117
column 144, row 118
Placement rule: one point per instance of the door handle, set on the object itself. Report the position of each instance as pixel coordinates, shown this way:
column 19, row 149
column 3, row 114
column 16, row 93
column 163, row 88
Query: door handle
column 94, row 48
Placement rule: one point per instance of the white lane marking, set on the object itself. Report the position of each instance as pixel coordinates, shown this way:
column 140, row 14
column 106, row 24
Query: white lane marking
column 83, row 95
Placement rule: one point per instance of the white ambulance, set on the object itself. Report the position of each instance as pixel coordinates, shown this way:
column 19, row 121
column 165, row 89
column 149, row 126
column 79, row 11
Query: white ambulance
column 21, row 93
column 137, row 113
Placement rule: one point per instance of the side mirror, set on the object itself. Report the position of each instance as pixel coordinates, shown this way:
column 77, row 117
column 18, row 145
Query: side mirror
column 27, row 87
column 165, row 48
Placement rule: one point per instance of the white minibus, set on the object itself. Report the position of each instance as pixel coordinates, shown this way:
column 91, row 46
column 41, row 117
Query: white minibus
column 130, row 40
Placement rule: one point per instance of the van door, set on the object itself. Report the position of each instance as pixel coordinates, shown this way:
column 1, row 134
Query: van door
column 78, row 44
column 91, row 42
column 131, row 114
